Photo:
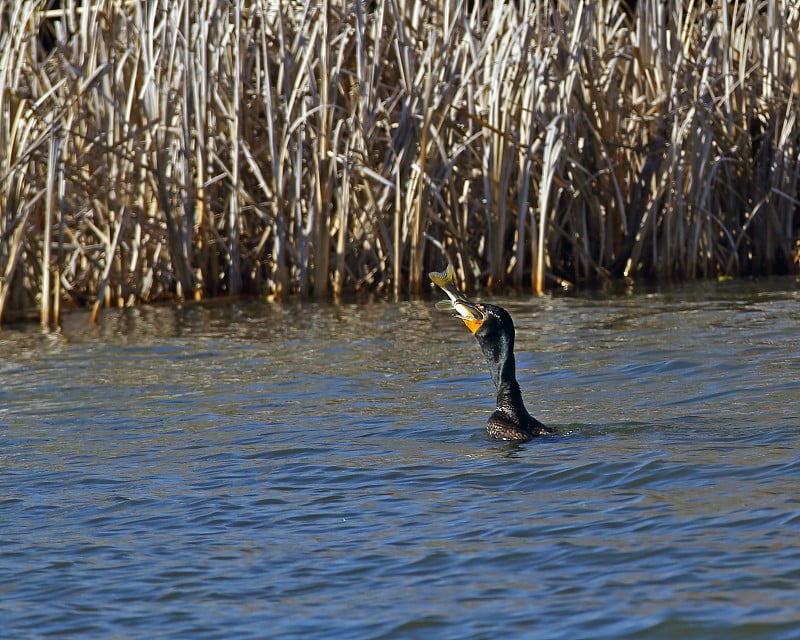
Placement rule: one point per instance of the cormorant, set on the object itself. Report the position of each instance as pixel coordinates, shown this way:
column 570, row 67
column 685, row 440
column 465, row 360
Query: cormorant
column 493, row 328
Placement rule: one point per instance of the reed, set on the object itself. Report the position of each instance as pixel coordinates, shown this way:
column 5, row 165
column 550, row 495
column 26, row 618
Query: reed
column 198, row 147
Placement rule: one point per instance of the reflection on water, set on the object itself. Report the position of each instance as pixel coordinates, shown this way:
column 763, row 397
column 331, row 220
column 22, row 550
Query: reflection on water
column 244, row 469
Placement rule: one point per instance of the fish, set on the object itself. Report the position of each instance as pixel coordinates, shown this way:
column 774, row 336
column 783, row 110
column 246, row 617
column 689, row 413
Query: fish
column 462, row 307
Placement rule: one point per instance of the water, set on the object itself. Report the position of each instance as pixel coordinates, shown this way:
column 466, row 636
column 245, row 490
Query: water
column 245, row 470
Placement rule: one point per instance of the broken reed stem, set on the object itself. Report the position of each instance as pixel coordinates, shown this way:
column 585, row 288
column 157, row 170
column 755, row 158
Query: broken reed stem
column 315, row 148
column 111, row 249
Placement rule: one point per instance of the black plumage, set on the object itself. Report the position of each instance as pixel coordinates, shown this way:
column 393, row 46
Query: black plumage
column 510, row 420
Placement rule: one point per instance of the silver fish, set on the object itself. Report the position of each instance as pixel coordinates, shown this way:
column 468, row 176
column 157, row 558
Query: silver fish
column 463, row 308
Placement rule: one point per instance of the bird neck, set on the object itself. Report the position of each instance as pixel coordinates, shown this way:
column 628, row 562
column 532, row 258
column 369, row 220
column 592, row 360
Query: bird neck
column 502, row 366
column 500, row 358
column 509, row 391
column 509, row 398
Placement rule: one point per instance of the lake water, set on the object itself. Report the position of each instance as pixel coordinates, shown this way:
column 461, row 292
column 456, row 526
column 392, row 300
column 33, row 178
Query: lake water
column 247, row 470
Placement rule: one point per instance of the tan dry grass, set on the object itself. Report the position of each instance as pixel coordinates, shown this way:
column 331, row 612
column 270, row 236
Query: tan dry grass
column 199, row 147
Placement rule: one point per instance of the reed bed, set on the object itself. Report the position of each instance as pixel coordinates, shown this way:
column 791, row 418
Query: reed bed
column 192, row 148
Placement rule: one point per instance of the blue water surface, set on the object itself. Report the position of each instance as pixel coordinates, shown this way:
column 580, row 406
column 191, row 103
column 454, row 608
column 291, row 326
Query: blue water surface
column 247, row 470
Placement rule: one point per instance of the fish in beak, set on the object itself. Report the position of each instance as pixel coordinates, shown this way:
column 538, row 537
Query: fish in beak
column 470, row 313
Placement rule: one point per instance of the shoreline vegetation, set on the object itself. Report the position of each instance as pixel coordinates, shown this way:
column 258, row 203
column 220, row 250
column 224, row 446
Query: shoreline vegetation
column 194, row 148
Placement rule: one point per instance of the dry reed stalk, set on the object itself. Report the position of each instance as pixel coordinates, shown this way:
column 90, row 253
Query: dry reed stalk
column 417, row 209
column 234, row 255
column 52, row 166
column 552, row 152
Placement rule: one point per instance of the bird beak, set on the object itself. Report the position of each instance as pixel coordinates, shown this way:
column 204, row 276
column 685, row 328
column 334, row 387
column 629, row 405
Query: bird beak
column 463, row 308
column 471, row 314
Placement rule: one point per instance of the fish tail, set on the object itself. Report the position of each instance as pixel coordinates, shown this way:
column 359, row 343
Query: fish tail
column 443, row 278
column 445, row 281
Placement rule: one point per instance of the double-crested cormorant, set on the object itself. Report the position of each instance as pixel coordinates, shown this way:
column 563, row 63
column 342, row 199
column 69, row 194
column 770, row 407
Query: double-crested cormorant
column 493, row 328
